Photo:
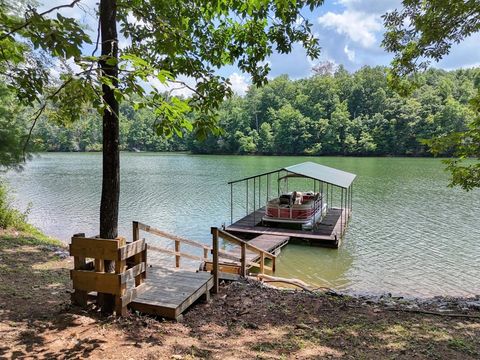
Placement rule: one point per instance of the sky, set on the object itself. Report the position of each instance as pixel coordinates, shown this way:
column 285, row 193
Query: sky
column 349, row 32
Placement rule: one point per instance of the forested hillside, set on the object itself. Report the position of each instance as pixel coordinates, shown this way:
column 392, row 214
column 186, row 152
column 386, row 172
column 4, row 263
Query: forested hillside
column 327, row 113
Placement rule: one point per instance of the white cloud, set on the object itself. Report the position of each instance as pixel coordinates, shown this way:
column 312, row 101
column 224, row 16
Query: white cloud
column 350, row 53
column 371, row 6
column 239, row 83
column 360, row 27
column 176, row 88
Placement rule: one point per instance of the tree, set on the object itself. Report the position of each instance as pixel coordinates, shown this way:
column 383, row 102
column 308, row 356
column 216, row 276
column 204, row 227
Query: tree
column 265, row 141
column 168, row 41
column 291, row 130
column 424, row 31
column 12, row 131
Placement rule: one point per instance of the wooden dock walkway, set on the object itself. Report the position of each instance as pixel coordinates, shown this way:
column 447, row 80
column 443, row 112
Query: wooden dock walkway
column 267, row 242
column 168, row 293
column 157, row 290
column 326, row 233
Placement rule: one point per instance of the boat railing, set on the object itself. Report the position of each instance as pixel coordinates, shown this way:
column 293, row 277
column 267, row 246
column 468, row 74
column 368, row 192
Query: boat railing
column 292, row 212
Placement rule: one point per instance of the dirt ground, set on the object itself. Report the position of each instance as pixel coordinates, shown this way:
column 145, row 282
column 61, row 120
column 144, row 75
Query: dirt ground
column 244, row 321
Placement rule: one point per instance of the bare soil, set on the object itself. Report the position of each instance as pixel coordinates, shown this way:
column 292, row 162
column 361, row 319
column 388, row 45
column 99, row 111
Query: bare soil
column 246, row 320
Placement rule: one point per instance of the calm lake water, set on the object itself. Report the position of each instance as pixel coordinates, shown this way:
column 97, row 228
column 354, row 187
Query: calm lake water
column 409, row 235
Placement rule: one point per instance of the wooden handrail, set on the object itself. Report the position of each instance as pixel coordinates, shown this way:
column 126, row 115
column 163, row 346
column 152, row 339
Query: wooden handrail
column 244, row 245
column 176, row 253
column 232, row 238
column 158, row 232
column 138, row 226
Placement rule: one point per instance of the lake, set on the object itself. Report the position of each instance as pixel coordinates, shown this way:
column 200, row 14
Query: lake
column 409, row 234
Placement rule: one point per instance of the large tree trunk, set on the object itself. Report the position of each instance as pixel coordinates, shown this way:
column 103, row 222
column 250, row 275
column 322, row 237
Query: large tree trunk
column 111, row 155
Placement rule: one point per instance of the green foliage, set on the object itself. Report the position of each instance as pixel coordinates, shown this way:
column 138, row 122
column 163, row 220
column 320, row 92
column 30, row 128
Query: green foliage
column 12, row 131
column 320, row 115
column 424, row 31
column 168, row 41
column 323, row 115
column 9, row 216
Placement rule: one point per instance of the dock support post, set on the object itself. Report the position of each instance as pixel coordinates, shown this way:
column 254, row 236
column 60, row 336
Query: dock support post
column 177, row 251
column 214, row 232
column 136, row 231
column 243, row 260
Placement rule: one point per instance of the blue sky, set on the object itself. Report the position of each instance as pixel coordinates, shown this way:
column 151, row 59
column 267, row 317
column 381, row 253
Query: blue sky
column 349, row 32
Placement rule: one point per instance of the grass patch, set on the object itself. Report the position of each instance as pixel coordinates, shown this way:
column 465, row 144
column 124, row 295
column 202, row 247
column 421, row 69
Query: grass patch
column 14, row 228
column 285, row 346
column 9, row 216
column 462, row 345
column 29, row 236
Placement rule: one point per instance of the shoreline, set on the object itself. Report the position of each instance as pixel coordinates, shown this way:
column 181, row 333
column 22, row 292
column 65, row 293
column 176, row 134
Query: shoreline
column 380, row 156
column 246, row 319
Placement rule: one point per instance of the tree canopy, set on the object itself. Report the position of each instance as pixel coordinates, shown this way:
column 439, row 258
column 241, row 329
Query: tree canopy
column 326, row 114
column 165, row 41
column 425, row 31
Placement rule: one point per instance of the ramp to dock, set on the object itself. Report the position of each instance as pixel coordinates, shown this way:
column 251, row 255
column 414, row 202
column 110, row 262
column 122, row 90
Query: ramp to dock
column 168, row 293
column 267, row 242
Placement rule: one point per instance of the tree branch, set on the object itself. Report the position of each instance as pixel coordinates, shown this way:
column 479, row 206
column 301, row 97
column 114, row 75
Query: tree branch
column 25, row 24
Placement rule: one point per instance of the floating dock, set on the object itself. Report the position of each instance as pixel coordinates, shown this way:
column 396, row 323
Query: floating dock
column 285, row 202
column 328, row 233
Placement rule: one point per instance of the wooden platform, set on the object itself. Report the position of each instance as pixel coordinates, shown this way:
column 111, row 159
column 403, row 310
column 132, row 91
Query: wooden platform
column 267, row 242
column 168, row 293
column 326, row 233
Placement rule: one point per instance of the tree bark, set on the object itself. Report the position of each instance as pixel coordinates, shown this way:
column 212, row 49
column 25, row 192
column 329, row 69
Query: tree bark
column 111, row 155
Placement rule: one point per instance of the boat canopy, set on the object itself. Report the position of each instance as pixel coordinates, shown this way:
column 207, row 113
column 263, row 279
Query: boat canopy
column 315, row 171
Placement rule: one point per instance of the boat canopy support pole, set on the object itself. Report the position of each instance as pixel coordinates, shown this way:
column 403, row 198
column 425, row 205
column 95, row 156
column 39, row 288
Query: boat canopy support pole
column 268, row 188
column 341, row 214
column 231, row 204
column 246, row 206
column 259, row 192
column 278, row 184
column 254, row 198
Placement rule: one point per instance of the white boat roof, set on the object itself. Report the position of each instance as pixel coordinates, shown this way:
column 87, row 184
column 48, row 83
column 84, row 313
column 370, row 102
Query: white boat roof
column 315, row 171
column 323, row 173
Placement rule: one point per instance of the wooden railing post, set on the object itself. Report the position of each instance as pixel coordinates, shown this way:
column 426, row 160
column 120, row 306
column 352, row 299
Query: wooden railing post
column 136, row 231
column 273, row 264
column 214, row 231
column 121, row 267
column 262, row 262
column 243, row 260
column 79, row 297
column 177, row 251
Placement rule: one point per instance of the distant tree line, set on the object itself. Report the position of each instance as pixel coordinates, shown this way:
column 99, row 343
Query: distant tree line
column 333, row 112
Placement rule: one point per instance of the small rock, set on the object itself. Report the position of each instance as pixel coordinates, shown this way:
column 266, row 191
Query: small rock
column 303, row 326
column 251, row 326
column 473, row 304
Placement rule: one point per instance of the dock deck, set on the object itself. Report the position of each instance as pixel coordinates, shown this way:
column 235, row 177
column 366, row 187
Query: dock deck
column 326, row 233
column 267, row 242
column 168, row 293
